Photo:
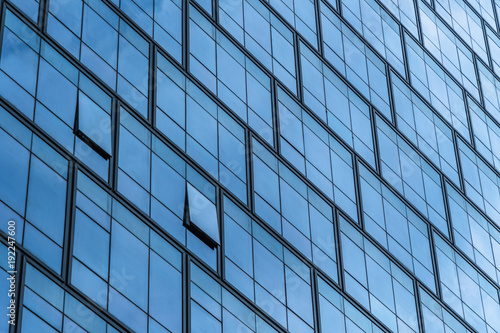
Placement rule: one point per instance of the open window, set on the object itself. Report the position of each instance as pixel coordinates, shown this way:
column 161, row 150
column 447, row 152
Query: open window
column 93, row 125
column 200, row 217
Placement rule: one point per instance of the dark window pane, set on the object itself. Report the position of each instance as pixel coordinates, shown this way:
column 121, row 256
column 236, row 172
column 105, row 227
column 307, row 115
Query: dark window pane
column 201, row 216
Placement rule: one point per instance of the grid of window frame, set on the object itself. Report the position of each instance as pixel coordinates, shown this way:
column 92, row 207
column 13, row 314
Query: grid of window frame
column 379, row 28
column 154, row 111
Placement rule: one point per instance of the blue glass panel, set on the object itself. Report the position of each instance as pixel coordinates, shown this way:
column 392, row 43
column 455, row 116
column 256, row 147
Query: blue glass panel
column 389, row 290
column 455, row 12
column 301, row 15
column 165, row 302
column 91, row 244
column 13, row 172
column 129, row 265
column 46, row 205
column 466, row 291
column 449, row 50
column 337, row 105
column 202, row 213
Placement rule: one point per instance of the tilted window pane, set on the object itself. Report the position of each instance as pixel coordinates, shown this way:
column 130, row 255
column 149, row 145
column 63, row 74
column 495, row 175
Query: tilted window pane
column 475, row 235
column 467, row 292
column 30, row 86
column 396, row 227
column 95, row 123
column 316, row 154
column 449, row 50
column 486, row 134
column 202, row 216
column 158, row 187
column 482, row 184
column 228, row 73
column 379, row 29
column 160, row 19
column 376, row 283
column 465, row 23
column 425, row 129
column 437, row 87
column 201, row 128
column 337, row 104
column 264, row 35
column 104, row 43
column 411, row 175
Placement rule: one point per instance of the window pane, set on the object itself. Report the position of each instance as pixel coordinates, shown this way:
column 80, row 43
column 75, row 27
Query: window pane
column 202, row 214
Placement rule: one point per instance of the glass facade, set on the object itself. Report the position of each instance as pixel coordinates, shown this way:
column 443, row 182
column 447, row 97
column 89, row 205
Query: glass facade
column 220, row 166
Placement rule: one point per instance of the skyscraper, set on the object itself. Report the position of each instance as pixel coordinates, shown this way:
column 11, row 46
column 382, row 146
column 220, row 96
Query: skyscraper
column 250, row 166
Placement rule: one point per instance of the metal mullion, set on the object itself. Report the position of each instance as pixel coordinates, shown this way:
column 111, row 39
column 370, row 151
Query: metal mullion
column 441, row 303
column 43, row 12
column 238, row 295
column 115, row 132
column 152, row 84
column 341, row 288
column 186, row 293
column 298, row 67
column 357, row 189
column 20, row 285
column 469, row 261
column 386, row 252
column 437, row 273
column 69, row 221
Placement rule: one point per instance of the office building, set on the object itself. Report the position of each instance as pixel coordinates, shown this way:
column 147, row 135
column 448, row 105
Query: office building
column 250, row 166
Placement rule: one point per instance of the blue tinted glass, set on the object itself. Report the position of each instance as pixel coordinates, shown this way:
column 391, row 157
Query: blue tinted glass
column 94, row 122
column 203, row 322
column 134, row 158
column 69, row 13
column 129, row 265
column 45, row 249
column 32, row 323
column 202, row 213
column 165, row 302
column 91, row 244
column 44, row 309
column 133, row 65
column 238, row 245
column 62, row 104
column 46, row 206
column 100, row 36
column 382, row 287
column 13, row 172
column 19, row 61
column 268, row 270
column 127, row 312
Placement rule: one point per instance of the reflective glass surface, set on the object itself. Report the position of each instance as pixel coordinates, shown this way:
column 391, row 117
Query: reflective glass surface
column 235, row 166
